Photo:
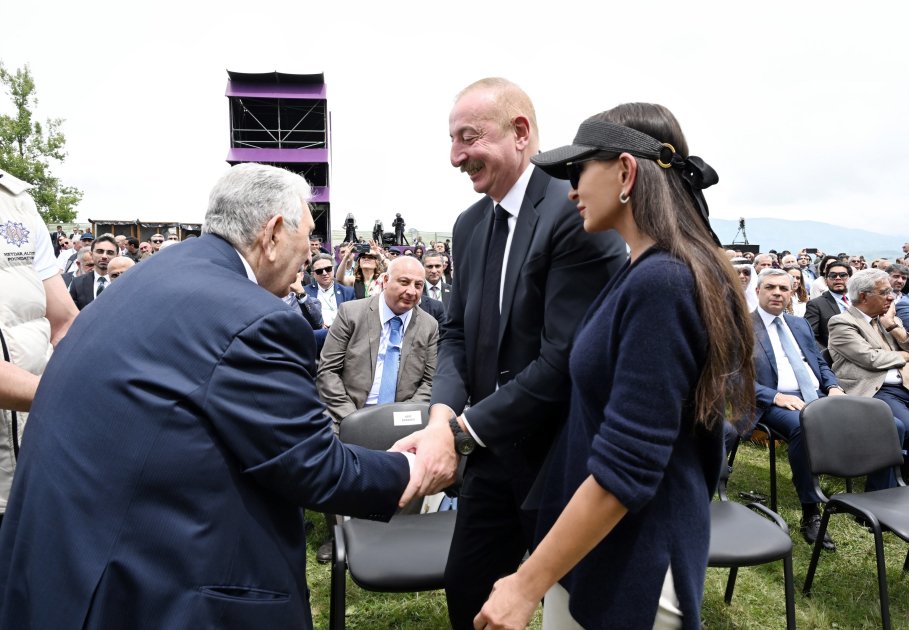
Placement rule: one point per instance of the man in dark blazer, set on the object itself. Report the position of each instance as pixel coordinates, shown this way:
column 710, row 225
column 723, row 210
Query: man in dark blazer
column 170, row 497
column 777, row 391
column 323, row 287
column 436, row 287
column 833, row 302
column 86, row 288
column 505, row 342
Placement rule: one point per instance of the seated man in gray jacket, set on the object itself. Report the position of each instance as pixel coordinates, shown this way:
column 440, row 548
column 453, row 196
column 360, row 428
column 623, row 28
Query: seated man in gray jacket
column 381, row 349
column 870, row 348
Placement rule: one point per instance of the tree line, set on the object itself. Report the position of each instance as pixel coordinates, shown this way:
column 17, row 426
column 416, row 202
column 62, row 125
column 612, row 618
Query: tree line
column 29, row 148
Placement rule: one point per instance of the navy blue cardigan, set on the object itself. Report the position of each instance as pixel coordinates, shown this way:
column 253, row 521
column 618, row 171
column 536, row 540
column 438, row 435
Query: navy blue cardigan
column 634, row 367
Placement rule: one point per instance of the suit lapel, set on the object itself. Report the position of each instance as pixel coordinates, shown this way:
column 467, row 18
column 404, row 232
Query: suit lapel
column 475, row 256
column 374, row 334
column 868, row 331
column 760, row 334
column 520, row 242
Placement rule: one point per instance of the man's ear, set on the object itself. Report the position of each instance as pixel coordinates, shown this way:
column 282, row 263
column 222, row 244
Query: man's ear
column 268, row 240
column 521, row 127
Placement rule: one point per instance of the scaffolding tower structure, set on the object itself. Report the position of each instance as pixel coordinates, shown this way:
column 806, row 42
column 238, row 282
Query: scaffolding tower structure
column 283, row 120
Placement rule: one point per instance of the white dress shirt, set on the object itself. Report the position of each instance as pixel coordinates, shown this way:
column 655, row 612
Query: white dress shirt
column 786, row 381
column 329, row 302
column 385, row 316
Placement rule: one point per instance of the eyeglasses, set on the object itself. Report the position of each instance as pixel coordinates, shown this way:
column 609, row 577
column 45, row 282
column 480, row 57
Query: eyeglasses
column 883, row 293
column 577, row 167
column 64, row 243
column 104, row 252
column 157, row 240
column 115, row 275
column 322, row 270
column 833, row 275
column 744, row 272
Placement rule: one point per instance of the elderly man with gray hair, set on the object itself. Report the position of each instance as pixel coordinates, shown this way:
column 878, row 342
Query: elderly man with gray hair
column 185, row 512
column 870, row 349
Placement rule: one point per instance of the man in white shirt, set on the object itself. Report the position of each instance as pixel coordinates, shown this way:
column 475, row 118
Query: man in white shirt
column 789, row 374
column 324, row 288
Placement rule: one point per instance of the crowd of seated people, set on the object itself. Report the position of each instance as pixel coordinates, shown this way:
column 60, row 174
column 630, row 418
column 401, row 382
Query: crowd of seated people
column 847, row 337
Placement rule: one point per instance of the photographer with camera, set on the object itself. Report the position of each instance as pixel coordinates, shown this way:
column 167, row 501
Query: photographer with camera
column 370, row 264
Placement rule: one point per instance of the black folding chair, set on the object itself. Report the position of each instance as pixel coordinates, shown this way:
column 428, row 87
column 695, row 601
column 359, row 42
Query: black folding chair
column 739, row 537
column 849, row 436
column 407, row 554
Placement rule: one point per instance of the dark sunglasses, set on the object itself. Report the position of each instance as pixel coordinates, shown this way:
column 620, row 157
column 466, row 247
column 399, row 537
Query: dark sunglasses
column 577, row 167
column 116, row 275
column 321, row 271
column 154, row 240
column 838, row 274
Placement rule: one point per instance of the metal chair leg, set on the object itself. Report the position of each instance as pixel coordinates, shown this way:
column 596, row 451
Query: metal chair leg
column 816, row 553
column 730, row 584
column 338, row 601
column 789, row 584
column 882, row 576
column 772, row 443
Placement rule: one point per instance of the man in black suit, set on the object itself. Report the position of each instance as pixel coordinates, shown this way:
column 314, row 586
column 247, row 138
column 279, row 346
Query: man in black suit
column 515, row 304
column 833, row 302
column 86, row 288
column 436, row 287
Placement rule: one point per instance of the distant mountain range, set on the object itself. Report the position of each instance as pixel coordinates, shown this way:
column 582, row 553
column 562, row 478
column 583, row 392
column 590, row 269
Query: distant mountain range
column 780, row 234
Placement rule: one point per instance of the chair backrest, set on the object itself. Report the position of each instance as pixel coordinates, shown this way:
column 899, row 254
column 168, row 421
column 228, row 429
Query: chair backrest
column 380, row 426
column 849, row 436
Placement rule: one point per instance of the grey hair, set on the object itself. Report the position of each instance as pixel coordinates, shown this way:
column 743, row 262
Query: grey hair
column 863, row 282
column 771, row 271
column 248, row 196
column 759, row 257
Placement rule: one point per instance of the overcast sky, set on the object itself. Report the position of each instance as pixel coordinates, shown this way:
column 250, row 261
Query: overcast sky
column 800, row 106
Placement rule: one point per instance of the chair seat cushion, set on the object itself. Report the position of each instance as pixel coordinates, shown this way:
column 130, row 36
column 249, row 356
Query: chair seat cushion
column 409, row 553
column 891, row 507
column 740, row 537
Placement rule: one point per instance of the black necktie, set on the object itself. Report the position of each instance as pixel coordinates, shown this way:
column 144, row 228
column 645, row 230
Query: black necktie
column 486, row 363
column 101, row 282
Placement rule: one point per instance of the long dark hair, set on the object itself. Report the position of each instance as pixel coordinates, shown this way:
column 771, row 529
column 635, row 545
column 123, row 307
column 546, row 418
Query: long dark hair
column 664, row 209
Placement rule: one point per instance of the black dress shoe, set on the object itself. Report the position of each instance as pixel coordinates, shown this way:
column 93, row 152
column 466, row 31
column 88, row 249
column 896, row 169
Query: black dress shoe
column 323, row 555
column 810, row 529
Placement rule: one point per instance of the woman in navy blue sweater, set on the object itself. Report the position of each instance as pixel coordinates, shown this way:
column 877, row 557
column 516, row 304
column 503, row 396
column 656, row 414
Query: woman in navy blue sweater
column 663, row 352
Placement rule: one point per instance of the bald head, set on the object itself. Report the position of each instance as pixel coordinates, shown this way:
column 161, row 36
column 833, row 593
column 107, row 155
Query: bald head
column 403, row 284
column 118, row 266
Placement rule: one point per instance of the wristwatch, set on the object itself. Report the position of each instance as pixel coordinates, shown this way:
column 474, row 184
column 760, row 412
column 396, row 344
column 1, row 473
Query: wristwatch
column 464, row 443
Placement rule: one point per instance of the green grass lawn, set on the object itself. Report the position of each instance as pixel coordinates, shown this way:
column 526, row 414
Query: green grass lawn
column 844, row 594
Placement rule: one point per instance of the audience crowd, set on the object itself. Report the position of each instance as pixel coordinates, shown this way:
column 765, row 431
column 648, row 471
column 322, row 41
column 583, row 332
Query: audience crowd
column 823, row 324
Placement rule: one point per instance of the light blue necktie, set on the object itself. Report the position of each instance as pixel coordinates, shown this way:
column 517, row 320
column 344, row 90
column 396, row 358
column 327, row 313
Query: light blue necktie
column 802, row 376
column 389, row 384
